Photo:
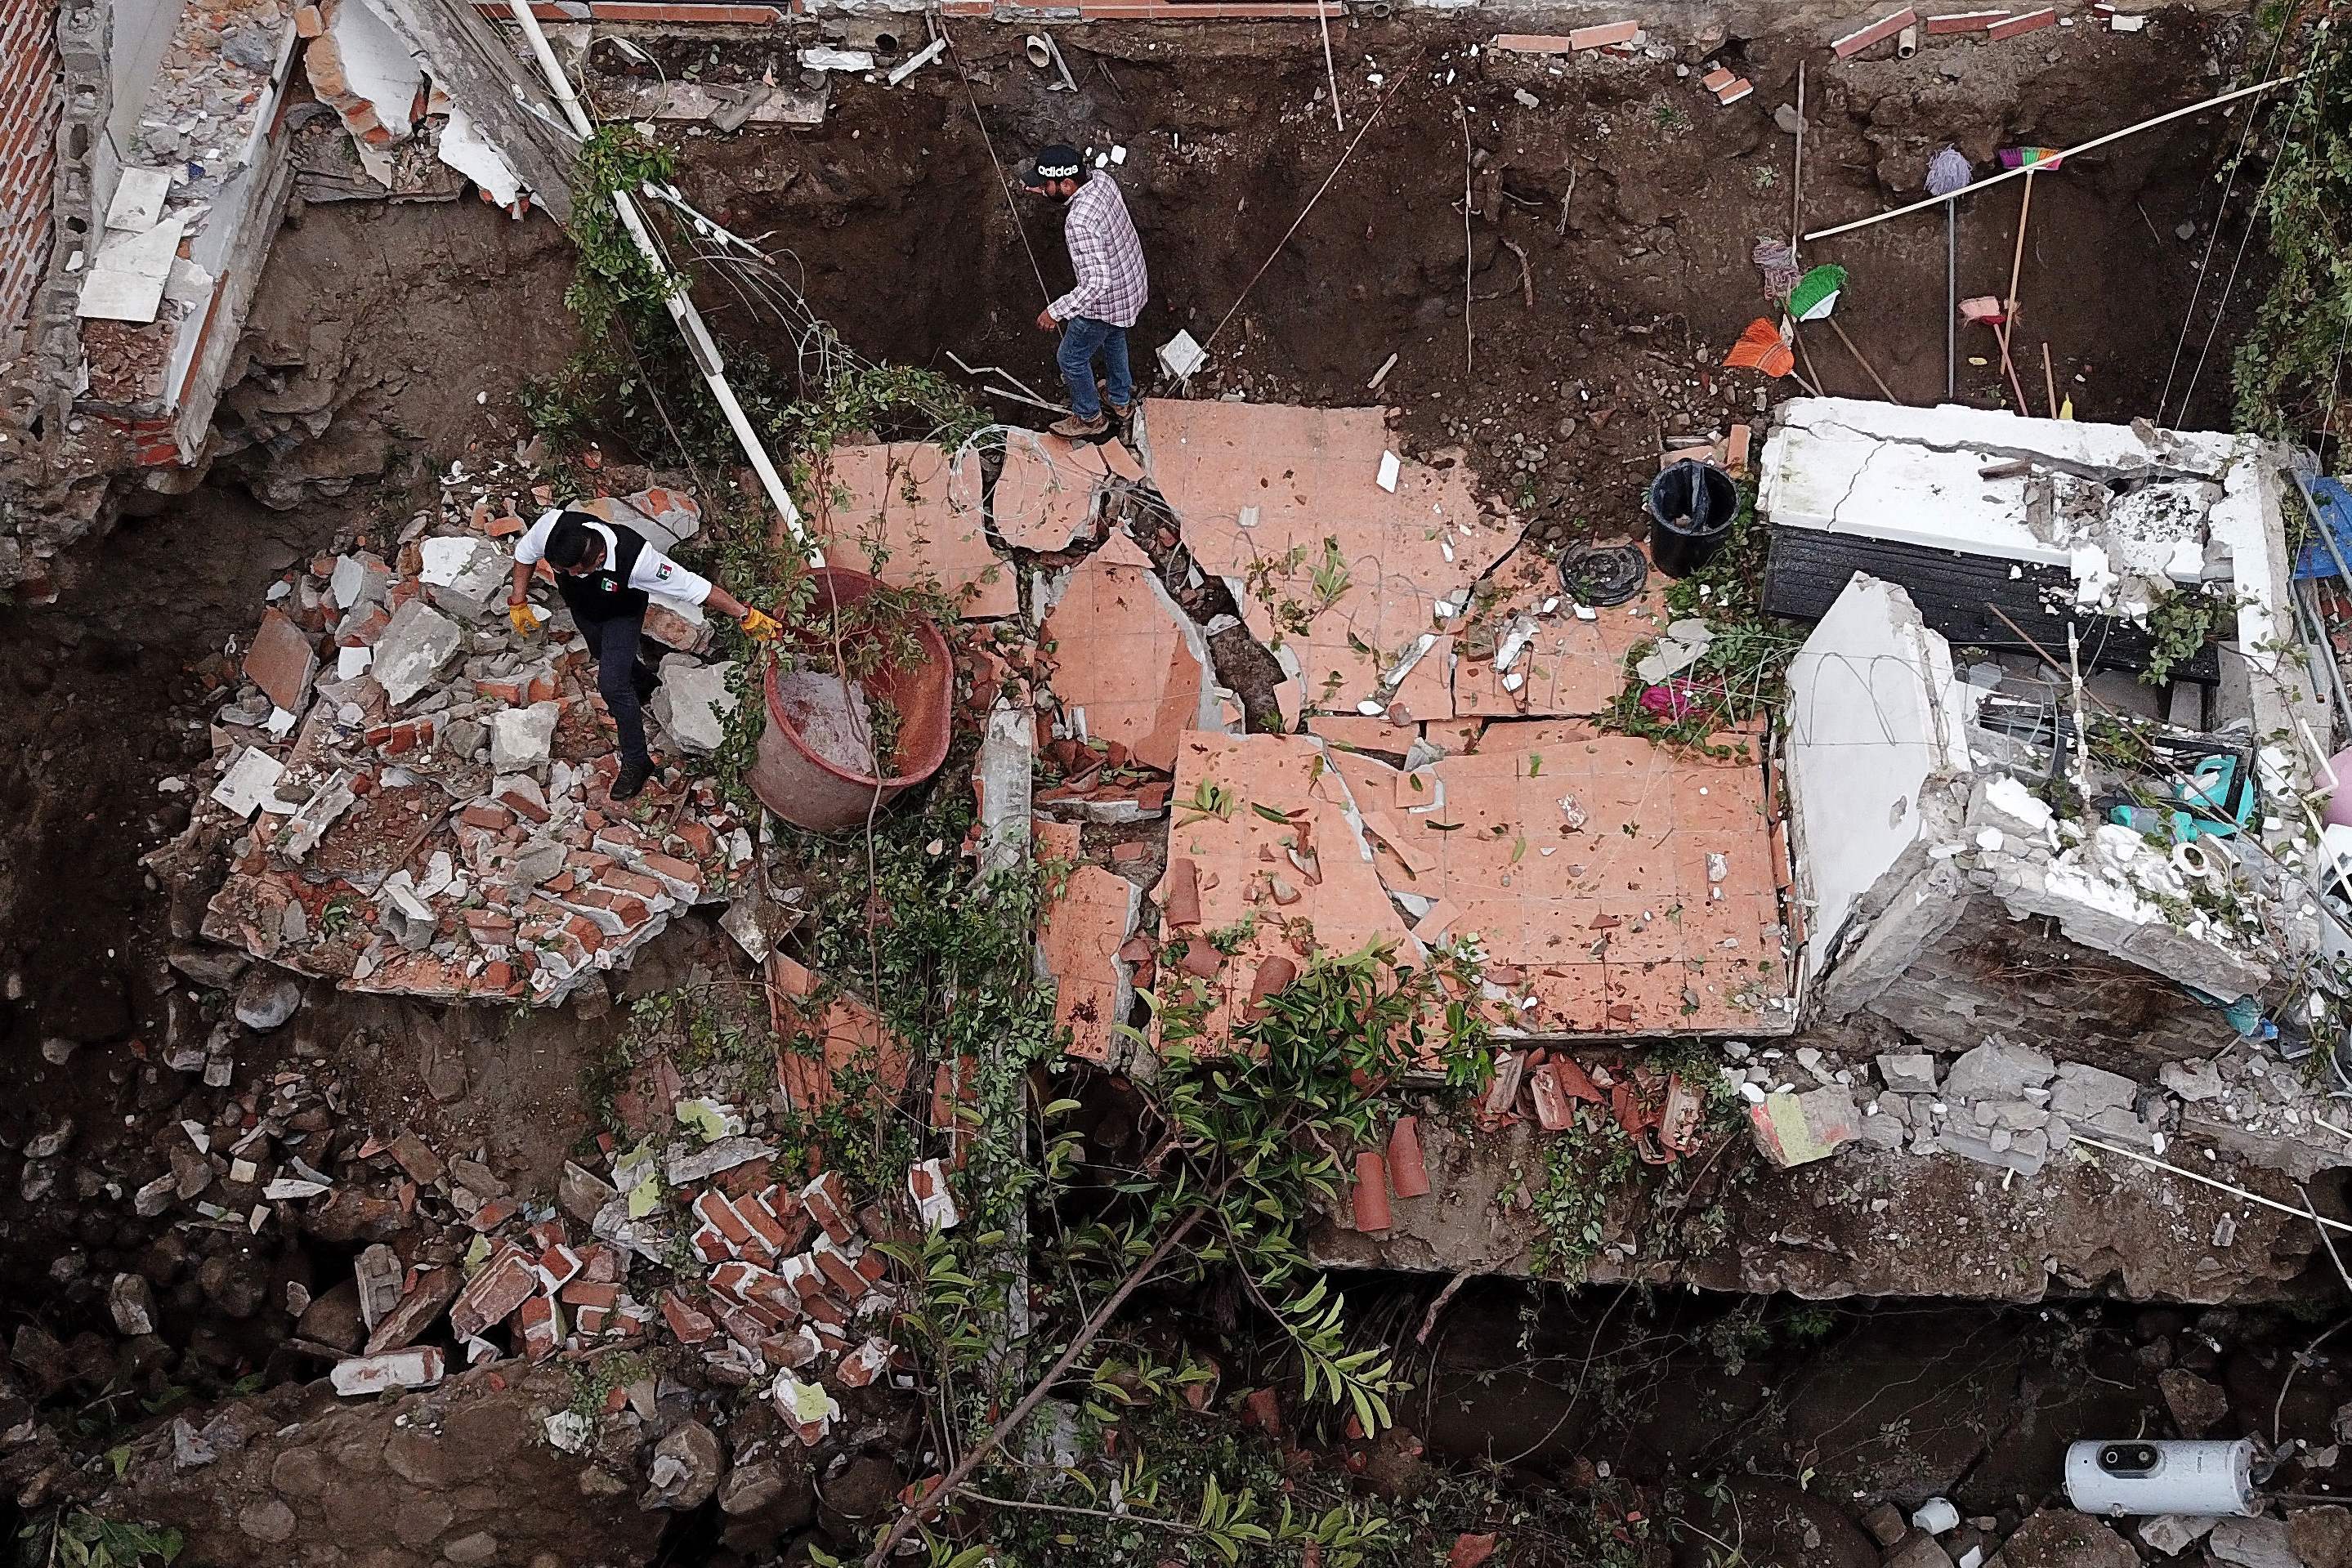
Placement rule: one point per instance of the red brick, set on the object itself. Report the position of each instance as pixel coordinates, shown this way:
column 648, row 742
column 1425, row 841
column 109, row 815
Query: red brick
column 2026, row 22
column 588, row 1293
column 1876, row 32
column 827, row 1199
column 1601, row 36
column 542, row 1332
column 840, row 1273
column 671, row 867
column 506, row 1281
column 1964, row 22
column 281, row 660
column 690, row 1326
column 713, row 1210
column 484, row 814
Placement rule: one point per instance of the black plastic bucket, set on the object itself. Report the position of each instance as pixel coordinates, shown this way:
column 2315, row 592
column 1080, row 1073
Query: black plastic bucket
column 1692, row 507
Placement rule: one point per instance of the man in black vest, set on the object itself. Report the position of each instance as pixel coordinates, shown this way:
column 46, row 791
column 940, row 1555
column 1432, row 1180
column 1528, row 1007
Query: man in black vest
column 604, row 572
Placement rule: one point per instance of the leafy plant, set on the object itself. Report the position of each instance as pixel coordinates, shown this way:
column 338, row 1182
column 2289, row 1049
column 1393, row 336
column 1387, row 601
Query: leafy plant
column 75, row 1538
column 2288, row 368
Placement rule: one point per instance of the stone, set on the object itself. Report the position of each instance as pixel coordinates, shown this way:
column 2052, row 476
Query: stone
column 686, row 1468
column 2253, row 1543
column 580, row 1193
column 300, row 1473
column 1796, row 1129
column 2082, row 1091
column 2170, row 1534
column 693, row 702
column 413, row 650
column 333, row 1318
column 131, row 1301
column 481, row 1546
column 1918, row 1548
column 212, row 968
column 2321, row 1536
column 2195, row 1404
column 2061, row 1538
column 267, row 1520
column 2192, row 1081
column 1997, row 1071
column 520, row 737
column 1884, row 1523
column 266, row 1000
column 1907, row 1072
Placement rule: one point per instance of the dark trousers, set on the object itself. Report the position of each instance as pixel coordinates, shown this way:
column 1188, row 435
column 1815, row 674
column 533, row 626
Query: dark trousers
column 623, row 678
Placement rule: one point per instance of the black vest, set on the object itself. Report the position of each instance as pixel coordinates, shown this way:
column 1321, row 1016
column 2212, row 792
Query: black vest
column 604, row 594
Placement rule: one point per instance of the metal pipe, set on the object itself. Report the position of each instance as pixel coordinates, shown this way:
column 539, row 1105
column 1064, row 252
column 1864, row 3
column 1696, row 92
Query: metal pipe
column 1951, row 299
column 2069, row 152
column 691, row 326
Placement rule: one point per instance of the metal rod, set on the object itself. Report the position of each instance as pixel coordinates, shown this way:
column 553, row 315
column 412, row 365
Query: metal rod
column 1951, row 299
column 691, row 326
column 2069, row 152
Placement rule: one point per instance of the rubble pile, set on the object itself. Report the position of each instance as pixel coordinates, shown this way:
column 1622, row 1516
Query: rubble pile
column 426, row 789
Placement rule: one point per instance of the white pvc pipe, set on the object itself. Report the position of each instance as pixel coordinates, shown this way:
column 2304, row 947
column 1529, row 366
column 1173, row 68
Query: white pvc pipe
column 1971, row 190
column 699, row 341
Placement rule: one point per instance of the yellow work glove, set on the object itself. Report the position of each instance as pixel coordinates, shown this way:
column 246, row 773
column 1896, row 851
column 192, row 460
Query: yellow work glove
column 524, row 622
column 759, row 626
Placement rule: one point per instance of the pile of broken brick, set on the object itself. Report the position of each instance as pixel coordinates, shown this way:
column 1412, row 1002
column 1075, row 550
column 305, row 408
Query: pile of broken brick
column 414, row 795
column 793, row 1298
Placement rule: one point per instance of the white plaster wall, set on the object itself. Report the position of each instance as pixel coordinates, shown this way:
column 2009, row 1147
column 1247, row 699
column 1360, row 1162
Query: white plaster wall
column 1874, row 714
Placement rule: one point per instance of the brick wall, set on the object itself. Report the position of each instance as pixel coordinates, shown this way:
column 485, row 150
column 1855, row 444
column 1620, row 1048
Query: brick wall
column 28, row 152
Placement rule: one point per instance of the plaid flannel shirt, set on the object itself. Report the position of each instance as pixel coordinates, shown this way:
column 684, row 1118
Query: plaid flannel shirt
column 1105, row 254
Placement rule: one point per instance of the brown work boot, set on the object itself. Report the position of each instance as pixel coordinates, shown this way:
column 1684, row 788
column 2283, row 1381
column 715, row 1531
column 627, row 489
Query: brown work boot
column 1077, row 429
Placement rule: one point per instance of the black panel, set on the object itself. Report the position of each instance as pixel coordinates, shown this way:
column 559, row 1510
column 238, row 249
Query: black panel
column 1808, row 568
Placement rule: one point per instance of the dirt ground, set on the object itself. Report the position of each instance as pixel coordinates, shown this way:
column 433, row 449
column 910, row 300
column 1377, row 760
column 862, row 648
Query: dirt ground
column 1635, row 199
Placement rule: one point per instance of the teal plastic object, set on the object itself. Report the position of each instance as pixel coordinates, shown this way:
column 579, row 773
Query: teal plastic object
column 2206, row 798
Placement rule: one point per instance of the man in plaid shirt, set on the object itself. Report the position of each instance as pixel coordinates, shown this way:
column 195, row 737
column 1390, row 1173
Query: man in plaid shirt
column 1112, row 288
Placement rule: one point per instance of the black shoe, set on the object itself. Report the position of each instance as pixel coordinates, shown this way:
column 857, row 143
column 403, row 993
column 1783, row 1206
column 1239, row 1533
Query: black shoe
column 632, row 776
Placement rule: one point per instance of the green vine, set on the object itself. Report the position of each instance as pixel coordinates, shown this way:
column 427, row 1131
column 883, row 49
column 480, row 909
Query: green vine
column 2287, row 371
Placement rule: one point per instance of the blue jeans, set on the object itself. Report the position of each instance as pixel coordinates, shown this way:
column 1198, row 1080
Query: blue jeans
column 1082, row 338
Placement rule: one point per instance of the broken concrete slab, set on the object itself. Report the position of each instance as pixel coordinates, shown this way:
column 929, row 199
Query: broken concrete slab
column 250, row 782
column 1570, row 660
column 1617, row 885
column 916, row 511
column 1086, row 918
column 1129, row 665
column 414, row 646
column 1047, row 492
column 694, row 702
column 520, row 737
column 1244, row 805
column 1281, row 502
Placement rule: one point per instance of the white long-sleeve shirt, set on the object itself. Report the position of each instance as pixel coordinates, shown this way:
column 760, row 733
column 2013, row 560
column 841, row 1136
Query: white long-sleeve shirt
column 655, row 572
